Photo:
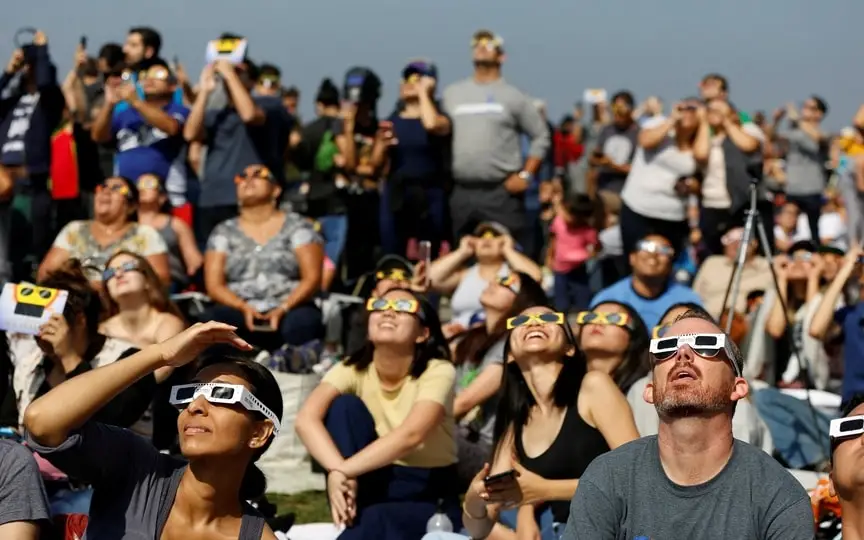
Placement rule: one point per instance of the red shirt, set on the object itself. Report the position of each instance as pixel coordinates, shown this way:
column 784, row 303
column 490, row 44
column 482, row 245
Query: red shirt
column 567, row 150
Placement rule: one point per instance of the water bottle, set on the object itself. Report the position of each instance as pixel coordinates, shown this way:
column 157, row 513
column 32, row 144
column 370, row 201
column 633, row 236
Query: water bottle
column 439, row 522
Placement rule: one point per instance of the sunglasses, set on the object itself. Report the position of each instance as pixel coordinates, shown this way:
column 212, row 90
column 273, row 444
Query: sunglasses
column 510, row 281
column 603, row 317
column 649, row 246
column 159, row 74
column 401, row 305
column 263, row 174
column 487, row 43
column 843, row 429
column 803, row 256
column 221, row 394
column 121, row 189
column 535, row 318
column 148, row 182
column 396, row 274
column 705, row 345
column 129, row 266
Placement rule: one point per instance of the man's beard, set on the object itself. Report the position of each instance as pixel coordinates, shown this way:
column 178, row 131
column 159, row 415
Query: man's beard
column 692, row 400
column 487, row 64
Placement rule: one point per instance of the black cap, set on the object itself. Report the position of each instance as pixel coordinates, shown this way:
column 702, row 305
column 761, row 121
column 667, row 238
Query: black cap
column 802, row 245
column 390, row 264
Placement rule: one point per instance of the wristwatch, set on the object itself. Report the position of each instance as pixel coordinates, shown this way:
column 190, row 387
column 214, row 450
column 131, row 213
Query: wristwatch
column 525, row 175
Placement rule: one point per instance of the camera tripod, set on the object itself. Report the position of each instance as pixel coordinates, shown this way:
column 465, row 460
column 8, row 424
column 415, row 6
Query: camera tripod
column 754, row 222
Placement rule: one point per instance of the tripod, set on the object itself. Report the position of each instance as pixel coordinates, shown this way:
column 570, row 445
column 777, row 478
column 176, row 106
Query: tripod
column 754, row 220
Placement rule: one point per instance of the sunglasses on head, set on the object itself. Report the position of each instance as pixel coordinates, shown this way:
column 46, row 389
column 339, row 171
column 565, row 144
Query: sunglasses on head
column 128, row 266
column 705, row 345
column 510, row 281
column 122, row 189
column 221, row 394
column 396, row 274
column 603, row 317
column 535, row 318
column 650, row 246
column 843, row 429
column 263, row 174
column 402, row 305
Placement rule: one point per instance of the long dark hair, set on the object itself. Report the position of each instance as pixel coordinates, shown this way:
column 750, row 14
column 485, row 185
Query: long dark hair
column 516, row 399
column 82, row 299
column 475, row 342
column 434, row 348
column 635, row 364
column 266, row 389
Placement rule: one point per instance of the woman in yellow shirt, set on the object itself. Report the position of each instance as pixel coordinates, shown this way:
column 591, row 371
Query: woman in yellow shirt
column 381, row 423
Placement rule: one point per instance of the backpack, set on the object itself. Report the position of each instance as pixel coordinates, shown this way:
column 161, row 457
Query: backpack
column 327, row 150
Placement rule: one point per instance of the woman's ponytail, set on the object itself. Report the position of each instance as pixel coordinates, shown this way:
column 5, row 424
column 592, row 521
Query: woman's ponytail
column 254, row 483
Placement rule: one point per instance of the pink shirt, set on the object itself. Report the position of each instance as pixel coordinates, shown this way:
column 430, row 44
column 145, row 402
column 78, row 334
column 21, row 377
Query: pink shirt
column 573, row 245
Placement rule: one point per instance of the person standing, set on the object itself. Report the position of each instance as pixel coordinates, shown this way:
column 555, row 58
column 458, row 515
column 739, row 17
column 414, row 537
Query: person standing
column 845, row 479
column 488, row 116
column 693, row 479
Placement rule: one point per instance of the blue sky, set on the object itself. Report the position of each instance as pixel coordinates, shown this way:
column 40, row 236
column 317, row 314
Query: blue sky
column 772, row 51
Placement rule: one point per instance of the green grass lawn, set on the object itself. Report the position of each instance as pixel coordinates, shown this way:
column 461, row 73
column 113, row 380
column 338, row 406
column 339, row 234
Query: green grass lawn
column 308, row 506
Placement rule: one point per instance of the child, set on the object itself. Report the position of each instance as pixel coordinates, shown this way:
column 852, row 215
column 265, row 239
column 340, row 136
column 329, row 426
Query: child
column 573, row 242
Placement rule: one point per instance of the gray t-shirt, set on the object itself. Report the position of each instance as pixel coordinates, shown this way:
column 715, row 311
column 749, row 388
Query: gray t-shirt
column 625, row 495
column 484, row 422
column 488, row 120
column 619, row 145
column 805, row 163
column 133, row 484
column 22, row 493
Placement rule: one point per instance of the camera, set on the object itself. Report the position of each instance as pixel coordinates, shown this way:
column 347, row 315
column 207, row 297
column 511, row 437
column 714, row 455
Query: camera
column 362, row 85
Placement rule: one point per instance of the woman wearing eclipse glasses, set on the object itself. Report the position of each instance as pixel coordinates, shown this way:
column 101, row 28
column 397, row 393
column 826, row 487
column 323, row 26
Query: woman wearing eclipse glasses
column 553, row 419
column 381, row 423
column 229, row 416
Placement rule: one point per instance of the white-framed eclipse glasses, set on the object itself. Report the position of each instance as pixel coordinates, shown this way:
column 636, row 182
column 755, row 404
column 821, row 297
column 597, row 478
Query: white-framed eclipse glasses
column 846, row 428
column 705, row 345
column 221, row 394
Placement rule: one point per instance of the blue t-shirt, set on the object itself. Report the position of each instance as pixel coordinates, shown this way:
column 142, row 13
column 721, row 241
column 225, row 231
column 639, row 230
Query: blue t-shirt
column 850, row 319
column 142, row 148
column 650, row 309
column 419, row 154
column 124, row 105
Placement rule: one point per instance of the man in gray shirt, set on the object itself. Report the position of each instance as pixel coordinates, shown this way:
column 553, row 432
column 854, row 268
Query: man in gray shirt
column 488, row 118
column 23, row 503
column 693, row 480
column 806, row 154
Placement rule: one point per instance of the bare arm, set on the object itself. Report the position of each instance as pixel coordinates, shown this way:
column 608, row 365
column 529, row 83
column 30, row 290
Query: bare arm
column 311, row 430
column 249, row 112
column 651, row 137
column 434, row 122
column 156, row 117
column 858, row 120
column 310, row 258
column 446, row 272
column 702, row 144
column 520, row 263
column 606, row 409
column 483, row 387
column 101, row 130
column 192, row 258
column 823, row 319
column 744, row 141
column 776, row 323
column 20, row 530
column 194, row 131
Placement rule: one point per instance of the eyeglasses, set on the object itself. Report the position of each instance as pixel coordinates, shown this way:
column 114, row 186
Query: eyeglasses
column 262, row 173
column 402, row 305
column 603, row 317
column 121, row 189
column 510, row 281
column 843, row 429
column 650, row 246
column 396, row 274
column 535, row 318
column 129, row 266
column 221, row 394
column 148, row 182
column 705, row 345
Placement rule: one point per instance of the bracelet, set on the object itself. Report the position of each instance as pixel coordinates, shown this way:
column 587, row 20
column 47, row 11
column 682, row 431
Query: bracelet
column 475, row 518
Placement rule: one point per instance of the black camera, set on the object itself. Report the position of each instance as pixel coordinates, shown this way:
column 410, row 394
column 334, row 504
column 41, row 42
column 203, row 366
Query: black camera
column 362, row 85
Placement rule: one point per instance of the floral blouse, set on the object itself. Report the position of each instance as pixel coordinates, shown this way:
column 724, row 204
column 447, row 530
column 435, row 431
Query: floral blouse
column 262, row 275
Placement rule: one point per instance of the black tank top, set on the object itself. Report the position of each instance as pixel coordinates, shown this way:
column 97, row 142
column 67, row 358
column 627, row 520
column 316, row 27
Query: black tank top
column 576, row 445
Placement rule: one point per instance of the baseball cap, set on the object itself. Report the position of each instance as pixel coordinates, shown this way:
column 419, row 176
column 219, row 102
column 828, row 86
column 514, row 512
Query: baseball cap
column 484, row 35
column 393, row 264
column 420, row 66
column 493, row 226
column 802, row 245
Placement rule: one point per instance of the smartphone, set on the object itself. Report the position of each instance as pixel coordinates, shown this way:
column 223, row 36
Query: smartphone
column 500, row 477
column 262, row 327
column 83, row 42
column 424, row 253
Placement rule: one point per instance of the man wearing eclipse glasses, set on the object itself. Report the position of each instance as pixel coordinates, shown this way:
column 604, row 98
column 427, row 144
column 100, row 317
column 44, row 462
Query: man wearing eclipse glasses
column 693, row 479
column 847, row 466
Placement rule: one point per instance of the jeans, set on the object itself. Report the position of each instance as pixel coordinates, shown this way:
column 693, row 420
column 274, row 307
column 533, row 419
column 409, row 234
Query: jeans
column 421, row 215
column 299, row 326
column 334, row 228
column 394, row 502
column 67, row 501
column 572, row 290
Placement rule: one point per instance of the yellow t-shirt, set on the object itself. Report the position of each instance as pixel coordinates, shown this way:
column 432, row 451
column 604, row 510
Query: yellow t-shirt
column 851, row 146
column 391, row 408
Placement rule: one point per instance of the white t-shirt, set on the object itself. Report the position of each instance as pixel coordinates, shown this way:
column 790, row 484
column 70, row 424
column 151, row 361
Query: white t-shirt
column 650, row 187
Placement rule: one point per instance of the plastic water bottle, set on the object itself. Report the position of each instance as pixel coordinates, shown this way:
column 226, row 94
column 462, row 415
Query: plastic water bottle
column 439, row 522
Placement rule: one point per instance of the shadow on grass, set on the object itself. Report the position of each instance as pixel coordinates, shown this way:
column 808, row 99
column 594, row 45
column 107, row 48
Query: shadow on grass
column 308, row 506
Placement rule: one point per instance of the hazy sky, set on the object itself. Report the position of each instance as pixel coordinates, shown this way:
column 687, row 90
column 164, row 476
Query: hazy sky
column 772, row 51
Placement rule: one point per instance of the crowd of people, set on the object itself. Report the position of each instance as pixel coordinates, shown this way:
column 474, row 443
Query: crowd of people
column 523, row 330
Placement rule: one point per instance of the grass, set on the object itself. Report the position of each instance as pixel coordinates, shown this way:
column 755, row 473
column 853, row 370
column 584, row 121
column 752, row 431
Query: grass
column 308, row 506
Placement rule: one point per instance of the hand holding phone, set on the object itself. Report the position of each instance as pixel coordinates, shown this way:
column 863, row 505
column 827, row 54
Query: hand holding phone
column 500, row 478
column 83, row 42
